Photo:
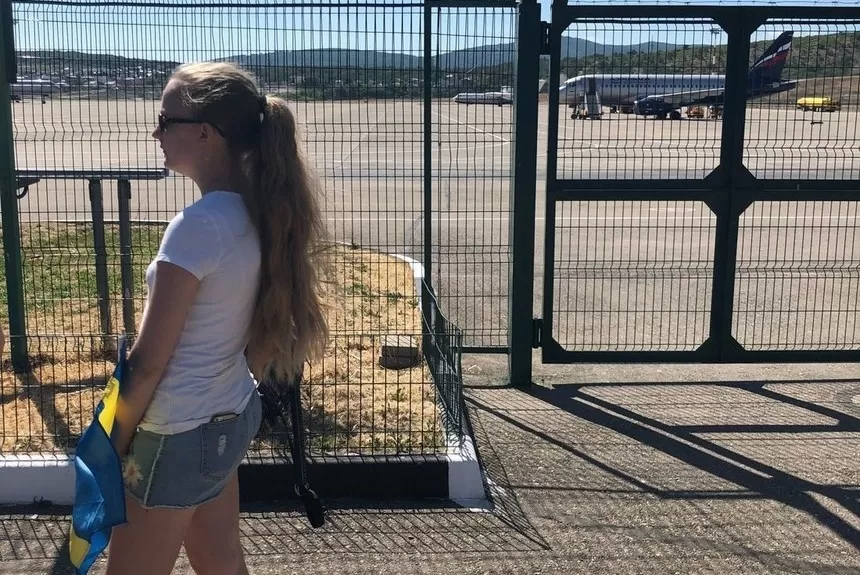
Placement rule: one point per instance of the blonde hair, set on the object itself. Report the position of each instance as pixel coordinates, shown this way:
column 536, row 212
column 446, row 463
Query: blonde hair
column 289, row 325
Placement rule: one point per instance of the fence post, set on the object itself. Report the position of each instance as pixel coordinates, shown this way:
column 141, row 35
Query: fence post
column 522, row 194
column 97, row 208
column 728, row 203
column 9, row 200
column 428, row 150
column 123, row 202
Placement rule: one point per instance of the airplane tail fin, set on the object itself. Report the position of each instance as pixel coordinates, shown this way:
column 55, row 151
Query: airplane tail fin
column 768, row 68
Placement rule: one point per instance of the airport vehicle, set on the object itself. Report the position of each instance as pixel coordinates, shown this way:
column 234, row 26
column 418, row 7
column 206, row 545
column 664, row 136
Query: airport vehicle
column 695, row 112
column 700, row 112
column 818, row 104
column 587, row 112
column 664, row 95
column 497, row 98
column 590, row 109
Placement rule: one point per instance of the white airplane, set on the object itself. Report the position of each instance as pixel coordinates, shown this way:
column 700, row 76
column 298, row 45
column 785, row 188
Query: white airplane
column 662, row 95
column 497, row 98
column 36, row 88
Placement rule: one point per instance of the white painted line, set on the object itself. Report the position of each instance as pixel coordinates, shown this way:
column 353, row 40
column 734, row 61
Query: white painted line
column 354, row 148
column 471, row 127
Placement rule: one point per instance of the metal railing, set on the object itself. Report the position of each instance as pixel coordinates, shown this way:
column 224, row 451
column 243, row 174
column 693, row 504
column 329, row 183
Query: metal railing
column 95, row 179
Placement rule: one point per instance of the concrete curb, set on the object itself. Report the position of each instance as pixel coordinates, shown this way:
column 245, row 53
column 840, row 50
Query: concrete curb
column 417, row 272
column 37, row 477
column 465, row 482
column 29, row 478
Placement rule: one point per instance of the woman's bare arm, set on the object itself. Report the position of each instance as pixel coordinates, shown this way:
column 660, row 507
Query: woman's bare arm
column 172, row 294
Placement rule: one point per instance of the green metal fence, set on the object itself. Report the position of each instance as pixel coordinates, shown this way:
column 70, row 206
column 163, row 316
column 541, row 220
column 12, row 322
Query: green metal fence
column 702, row 211
column 373, row 88
column 440, row 134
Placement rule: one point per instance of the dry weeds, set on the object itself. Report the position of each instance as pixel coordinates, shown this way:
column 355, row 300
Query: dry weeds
column 351, row 403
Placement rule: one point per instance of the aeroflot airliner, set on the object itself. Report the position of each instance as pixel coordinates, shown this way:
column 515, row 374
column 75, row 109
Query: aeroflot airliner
column 663, row 95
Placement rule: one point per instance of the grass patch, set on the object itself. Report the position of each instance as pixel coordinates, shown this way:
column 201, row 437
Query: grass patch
column 351, row 403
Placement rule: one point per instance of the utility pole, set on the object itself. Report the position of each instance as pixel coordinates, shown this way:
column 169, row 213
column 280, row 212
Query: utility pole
column 714, row 33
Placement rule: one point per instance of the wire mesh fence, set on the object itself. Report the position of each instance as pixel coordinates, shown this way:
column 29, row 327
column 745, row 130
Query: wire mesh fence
column 95, row 199
column 633, row 276
column 608, row 70
column 474, row 50
column 798, row 283
column 810, row 131
column 639, row 264
column 405, row 111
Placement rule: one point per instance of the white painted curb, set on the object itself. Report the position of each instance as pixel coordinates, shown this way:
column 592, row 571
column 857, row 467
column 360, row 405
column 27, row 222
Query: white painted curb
column 417, row 272
column 48, row 477
column 37, row 477
column 465, row 481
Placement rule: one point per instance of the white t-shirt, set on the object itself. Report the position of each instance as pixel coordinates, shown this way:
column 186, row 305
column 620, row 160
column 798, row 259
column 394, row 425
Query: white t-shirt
column 215, row 240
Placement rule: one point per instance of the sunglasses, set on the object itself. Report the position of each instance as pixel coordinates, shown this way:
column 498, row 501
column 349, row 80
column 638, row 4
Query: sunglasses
column 164, row 121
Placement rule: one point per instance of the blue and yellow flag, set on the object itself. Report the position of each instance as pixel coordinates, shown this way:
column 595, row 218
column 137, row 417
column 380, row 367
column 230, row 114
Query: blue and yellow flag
column 99, row 492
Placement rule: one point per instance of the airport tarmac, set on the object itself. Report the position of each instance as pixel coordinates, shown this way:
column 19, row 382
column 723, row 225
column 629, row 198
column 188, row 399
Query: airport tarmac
column 635, row 276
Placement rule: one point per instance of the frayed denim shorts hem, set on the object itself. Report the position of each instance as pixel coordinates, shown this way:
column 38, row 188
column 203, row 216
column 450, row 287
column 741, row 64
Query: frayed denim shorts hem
column 188, row 469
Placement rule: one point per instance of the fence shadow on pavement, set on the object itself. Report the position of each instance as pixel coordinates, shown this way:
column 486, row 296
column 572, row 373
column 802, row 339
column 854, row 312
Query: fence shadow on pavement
column 709, row 444
column 39, row 533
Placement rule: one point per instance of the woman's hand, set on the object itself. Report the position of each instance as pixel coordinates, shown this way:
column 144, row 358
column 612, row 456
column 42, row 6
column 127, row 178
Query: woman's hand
column 173, row 292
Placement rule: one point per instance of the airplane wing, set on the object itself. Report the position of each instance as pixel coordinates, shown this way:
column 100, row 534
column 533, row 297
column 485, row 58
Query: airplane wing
column 685, row 98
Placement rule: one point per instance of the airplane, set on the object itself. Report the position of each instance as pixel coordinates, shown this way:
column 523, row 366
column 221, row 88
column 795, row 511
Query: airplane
column 662, row 95
column 36, row 88
column 497, row 98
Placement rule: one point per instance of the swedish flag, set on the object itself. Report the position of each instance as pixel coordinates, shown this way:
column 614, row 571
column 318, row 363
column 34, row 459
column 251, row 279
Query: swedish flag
column 99, row 492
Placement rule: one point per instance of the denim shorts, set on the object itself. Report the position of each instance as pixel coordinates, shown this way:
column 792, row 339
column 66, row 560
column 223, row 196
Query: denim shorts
column 189, row 468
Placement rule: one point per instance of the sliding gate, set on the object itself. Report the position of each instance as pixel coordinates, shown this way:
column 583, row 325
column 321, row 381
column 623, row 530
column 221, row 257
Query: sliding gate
column 723, row 229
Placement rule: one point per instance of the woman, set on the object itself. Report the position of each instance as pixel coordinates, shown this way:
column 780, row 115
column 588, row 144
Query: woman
column 233, row 292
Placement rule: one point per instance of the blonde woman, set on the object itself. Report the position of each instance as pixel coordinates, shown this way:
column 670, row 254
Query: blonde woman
column 232, row 293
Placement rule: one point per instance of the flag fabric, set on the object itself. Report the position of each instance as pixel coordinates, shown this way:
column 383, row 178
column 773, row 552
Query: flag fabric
column 99, row 491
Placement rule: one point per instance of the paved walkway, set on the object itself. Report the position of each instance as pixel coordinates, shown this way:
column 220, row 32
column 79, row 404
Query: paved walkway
column 627, row 477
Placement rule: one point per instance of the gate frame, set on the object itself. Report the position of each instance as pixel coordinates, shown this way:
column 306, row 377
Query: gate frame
column 727, row 191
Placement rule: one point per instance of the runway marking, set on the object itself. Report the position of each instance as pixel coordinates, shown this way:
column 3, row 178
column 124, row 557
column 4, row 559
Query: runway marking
column 354, row 148
column 471, row 127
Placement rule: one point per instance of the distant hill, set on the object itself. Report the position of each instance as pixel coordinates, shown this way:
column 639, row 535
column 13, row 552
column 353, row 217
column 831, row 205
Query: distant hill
column 486, row 56
column 329, row 58
column 55, row 58
column 826, row 55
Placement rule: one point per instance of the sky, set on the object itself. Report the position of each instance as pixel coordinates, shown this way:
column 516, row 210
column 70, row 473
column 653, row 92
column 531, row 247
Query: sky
column 184, row 34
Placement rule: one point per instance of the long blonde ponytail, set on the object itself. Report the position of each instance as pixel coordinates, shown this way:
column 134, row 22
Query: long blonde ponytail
column 289, row 321
column 289, row 325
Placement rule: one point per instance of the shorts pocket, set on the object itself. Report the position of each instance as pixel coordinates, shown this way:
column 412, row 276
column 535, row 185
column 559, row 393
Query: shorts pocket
column 140, row 465
column 223, row 446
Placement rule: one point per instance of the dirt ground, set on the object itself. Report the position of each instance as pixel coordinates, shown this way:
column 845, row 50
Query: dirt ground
column 351, row 403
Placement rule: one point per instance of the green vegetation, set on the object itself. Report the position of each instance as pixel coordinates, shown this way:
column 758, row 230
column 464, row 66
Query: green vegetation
column 811, row 57
column 59, row 267
column 318, row 75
